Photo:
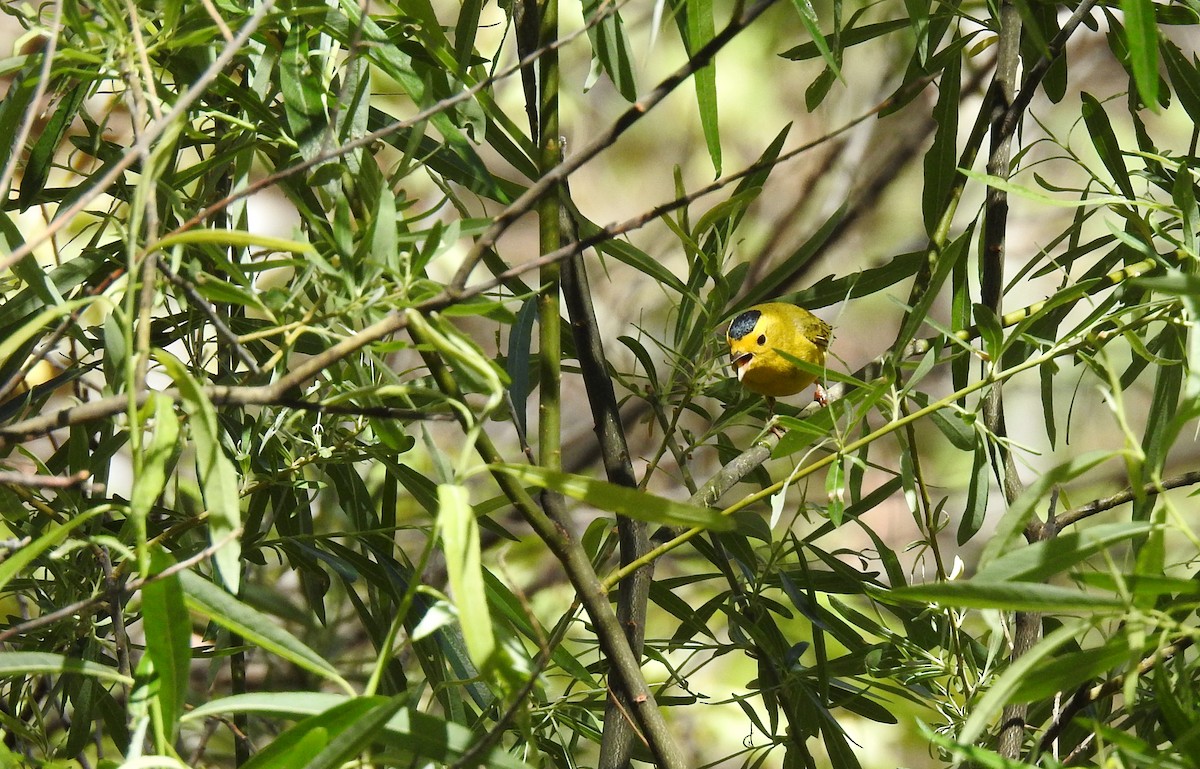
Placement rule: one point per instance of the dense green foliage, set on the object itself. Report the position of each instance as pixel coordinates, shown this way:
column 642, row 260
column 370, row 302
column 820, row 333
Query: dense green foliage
column 303, row 305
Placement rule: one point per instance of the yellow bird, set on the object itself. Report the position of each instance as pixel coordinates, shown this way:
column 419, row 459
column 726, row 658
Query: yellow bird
column 755, row 337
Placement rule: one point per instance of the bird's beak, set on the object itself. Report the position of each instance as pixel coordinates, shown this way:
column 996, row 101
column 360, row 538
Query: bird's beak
column 741, row 362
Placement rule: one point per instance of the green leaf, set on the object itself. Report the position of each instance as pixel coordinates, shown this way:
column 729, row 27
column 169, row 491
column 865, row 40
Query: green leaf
column 1105, row 142
column 1038, row 197
column 151, row 477
column 21, row 664
column 621, row 500
column 808, row 17
column 610, row 46
column 848, row 37
column 1185, row 76
column 168, row 632
column 13, row 342
column 303, row 94
column 1005, row 596
column 218, row 478
column 464, row 567
column 234, row 238
column 255, row 627
column 1068, row 671
column 1041, row 560
column 36, row 170
column 975, row 508
column 520, row 337
column 1141, row 32
column 941, row 161
column 421, row 734
column 16, row 101
column 700, row 31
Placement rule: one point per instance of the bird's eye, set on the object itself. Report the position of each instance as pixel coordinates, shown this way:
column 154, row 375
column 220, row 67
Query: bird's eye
column 762, row 339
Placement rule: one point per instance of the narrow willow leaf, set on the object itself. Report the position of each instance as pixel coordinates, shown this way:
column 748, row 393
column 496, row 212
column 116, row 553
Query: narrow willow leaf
column 1185, row 76
column 1141, row 584
column 975, row 507
column 36, row 169
column 151, row 476
column 1025, row 192
column 359, row 729
column 520, row 337
column 168, row 632
column 64, row 278
column 1141, row 33
column 808, row 16
column 464, row 567
column 941, row 161
column 622, row 500
column 218, row 478
column 1165, row 418
column 1006, row 596
column 235, row 238
column 419, row 733
column 303, row 94
column 610, row 47
column 1046, row 375
column 835, row 489
column 1105, row 142
column 13, row 342
column 700, row 31
column 1183, row 193
column 20, row 664
column 771, row 283
column 20, row 93
column 255, row 627
column 1068, row 671
column 946, row 262
column 1044, row 559
column 633, row 256
column 465, row 29
column 848, row 37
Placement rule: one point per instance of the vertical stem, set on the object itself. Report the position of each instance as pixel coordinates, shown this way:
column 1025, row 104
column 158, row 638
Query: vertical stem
column 549, row 313
column 1027, row 625
column 616, row 742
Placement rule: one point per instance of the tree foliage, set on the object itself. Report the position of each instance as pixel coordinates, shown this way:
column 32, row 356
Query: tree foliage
column 303, row 305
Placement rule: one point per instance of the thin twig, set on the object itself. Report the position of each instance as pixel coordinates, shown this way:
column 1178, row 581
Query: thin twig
column 32, row 480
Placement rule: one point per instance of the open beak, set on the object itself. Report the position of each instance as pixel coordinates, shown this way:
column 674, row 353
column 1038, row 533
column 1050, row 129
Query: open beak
column 741, row 362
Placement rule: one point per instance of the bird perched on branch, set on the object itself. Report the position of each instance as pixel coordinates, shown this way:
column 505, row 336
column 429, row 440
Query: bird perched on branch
column 756, row 337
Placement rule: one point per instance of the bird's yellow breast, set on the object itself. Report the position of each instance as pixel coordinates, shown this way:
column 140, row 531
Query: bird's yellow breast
column 755, row 337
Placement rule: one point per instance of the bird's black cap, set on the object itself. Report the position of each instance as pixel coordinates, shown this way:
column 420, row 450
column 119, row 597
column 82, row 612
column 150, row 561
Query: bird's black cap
column 744, row 323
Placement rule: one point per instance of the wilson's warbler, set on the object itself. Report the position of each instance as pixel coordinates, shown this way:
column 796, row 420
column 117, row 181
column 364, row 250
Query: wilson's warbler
column 757, row 334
